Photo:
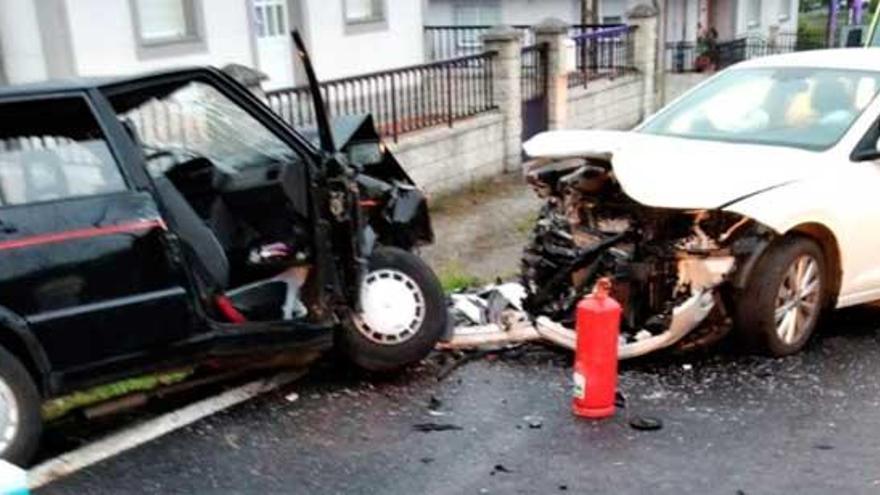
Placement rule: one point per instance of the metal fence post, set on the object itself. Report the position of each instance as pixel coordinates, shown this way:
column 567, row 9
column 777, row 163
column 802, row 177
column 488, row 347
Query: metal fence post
column 449, row 116
column 393, row 108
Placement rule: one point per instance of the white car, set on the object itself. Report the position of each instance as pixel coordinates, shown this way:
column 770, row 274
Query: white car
column 751, row 203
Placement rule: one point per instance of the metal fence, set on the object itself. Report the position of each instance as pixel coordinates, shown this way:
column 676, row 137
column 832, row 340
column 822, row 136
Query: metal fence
column 602, row 52
column 400, row 100
column 685, row 56
column 443, row 42
column 533, row 75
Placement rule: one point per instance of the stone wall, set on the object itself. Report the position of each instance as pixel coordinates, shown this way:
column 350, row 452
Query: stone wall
column 443, row 159
column 678, row 83
column 607, row 104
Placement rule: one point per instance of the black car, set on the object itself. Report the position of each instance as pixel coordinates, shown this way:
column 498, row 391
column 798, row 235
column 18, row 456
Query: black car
column 172, row 218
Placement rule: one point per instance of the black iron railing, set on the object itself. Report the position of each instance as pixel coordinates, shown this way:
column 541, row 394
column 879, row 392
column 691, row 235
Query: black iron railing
column 602, row 52
column 443, row 42
column 400, row 100
column 533, row 75
column 684, row 56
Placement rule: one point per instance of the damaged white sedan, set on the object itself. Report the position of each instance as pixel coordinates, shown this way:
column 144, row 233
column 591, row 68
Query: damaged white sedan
column 751, row 203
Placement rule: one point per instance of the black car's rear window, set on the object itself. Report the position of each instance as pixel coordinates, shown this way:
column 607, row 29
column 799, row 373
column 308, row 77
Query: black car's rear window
column 53, row 149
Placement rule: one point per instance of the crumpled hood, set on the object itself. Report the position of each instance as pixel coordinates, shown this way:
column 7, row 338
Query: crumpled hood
column 667, row 172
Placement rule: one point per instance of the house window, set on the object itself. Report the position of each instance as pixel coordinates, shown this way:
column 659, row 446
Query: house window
column 364, row 11
column 163, row 22
column 753, row 16
column 271, row 18
column 479, row 12
column 784, row 10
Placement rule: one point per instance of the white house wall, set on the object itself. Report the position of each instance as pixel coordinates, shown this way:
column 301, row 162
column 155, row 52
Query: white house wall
column 681, row 20
column 340, row 51
column 23, row 57
column 442, row 12
column 104, row 39
column 770, row 15
column 533, row 11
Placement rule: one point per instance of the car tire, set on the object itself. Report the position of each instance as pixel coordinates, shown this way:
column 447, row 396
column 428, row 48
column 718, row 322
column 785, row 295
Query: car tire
column 21, row 422
column 781, row 306
column 403, row 313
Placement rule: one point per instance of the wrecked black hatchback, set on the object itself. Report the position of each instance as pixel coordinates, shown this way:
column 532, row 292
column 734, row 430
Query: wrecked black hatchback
column 156, row 221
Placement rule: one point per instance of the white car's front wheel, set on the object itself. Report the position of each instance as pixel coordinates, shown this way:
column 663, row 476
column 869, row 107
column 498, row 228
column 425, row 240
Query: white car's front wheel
column 780, row 308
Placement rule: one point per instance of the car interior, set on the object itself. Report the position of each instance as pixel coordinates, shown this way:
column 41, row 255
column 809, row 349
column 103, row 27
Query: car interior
column 233, row 193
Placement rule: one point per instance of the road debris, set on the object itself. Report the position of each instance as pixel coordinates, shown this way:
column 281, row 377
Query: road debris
column 534, row 422
column 645, row 423
column 432, row 427
column 499, row 468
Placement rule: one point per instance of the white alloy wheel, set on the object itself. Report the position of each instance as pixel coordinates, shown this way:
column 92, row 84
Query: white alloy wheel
column 798, row 301
column 392, row 307
column 10, row 418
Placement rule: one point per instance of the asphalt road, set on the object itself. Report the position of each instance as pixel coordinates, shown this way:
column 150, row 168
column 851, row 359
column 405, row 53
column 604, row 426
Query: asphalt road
column 732, row 424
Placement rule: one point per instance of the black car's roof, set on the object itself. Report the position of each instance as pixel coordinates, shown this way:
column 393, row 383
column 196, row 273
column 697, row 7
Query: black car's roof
column 84, row 83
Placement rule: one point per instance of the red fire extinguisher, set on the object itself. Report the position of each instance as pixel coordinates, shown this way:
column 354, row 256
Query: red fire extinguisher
column 595, row 364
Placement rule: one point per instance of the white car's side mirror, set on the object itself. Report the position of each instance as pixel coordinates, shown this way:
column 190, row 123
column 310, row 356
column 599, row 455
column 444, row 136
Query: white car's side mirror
column 865, row 155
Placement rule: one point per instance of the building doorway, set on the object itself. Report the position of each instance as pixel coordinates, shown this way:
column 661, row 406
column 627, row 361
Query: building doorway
column 274, row 47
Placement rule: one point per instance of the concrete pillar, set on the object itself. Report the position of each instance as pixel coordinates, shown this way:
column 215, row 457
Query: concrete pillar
column 506, row 91
column 645, row 51
column 554, row 33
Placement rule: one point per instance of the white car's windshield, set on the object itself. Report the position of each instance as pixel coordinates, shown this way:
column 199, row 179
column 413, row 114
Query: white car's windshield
column 800, row 107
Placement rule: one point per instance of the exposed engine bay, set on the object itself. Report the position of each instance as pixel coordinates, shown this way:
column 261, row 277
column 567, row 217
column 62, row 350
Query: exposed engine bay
column 675, row 272
column 671, row 269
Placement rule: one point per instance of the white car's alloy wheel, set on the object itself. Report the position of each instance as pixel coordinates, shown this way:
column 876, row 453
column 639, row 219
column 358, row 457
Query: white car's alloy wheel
column 798, row 300
column 9, row 416
column 393, row 307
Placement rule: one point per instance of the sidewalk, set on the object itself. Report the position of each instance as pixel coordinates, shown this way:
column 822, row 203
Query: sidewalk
column 480, row 233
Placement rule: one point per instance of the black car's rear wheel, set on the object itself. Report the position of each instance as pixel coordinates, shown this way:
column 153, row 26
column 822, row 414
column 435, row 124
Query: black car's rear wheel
column 20, row 420
column 403, row 313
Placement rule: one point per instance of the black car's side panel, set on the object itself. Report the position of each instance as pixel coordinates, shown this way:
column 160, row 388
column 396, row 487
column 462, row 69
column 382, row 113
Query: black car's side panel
column 91, row 277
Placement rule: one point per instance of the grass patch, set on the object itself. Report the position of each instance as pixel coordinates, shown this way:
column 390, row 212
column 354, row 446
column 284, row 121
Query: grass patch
column 454, row 278
column 473, row 194
column 527, row 223
column 56, row 408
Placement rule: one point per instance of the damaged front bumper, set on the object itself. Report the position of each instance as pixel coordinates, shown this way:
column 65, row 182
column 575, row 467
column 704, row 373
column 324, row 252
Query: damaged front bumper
column 675, row 271
column 514, row 326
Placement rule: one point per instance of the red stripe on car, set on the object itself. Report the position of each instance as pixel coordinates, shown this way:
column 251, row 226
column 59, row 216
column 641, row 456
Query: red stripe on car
column 70, row 235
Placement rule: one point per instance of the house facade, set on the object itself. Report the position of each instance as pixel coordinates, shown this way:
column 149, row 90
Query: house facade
column 730, row 18
column 684, row 18
column 514, row 12
column 50, row 39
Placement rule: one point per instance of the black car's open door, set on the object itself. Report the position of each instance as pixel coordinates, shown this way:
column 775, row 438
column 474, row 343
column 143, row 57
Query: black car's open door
column 338, row 194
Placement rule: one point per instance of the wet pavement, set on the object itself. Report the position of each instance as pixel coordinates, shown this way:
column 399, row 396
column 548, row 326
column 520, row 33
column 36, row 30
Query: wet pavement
column 501, row 424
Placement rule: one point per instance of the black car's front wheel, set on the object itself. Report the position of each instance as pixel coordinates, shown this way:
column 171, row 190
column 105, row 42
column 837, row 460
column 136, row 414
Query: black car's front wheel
column 402, row 315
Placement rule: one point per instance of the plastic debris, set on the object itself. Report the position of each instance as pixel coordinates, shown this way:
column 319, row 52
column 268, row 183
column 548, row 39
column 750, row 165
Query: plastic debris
column 432, row 427
column 645, row 423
